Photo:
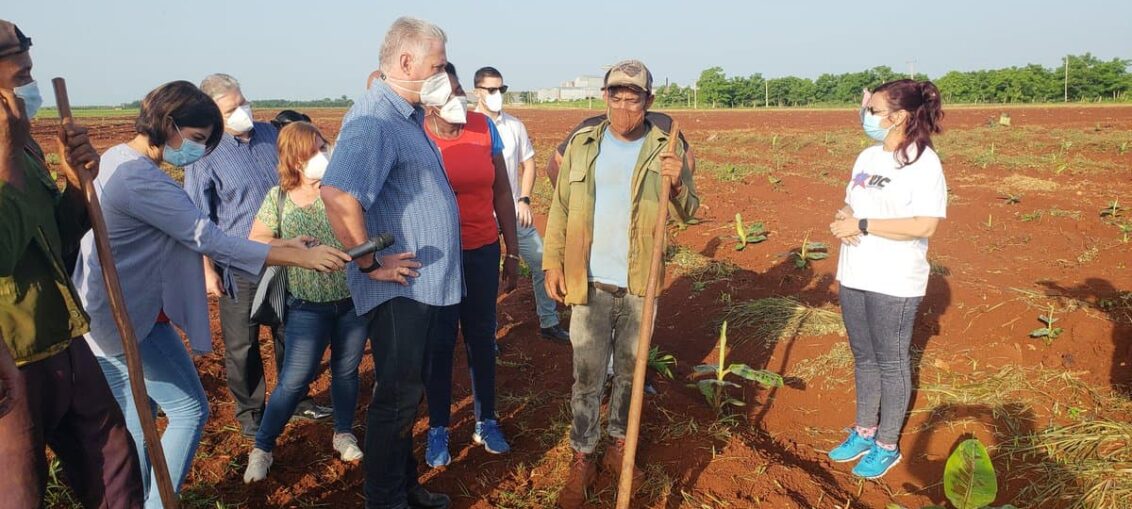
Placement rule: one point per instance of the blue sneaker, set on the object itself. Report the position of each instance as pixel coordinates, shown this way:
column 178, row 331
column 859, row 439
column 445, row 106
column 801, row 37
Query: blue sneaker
column 436, row 452
column 877, row 463
column 490, row 435
column 852, row 448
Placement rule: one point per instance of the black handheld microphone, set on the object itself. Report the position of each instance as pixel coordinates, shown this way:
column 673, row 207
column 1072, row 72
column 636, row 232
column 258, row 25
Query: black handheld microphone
column 373, row 245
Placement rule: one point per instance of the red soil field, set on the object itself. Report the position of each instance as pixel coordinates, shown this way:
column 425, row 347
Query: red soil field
column 998, row 266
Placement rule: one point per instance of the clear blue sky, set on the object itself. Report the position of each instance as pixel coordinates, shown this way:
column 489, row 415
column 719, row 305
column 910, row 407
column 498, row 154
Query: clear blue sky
column 114, row 51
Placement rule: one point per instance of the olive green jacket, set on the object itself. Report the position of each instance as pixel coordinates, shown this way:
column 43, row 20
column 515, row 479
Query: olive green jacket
column 570, row 227
column 40, row 311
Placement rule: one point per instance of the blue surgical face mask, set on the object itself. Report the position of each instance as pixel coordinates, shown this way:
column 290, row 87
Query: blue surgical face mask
column 29, row 93
column 189, row 153
column 871, row 123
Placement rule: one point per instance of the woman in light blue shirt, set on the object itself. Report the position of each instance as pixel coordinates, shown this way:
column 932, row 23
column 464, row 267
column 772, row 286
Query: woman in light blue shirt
column 158, row 237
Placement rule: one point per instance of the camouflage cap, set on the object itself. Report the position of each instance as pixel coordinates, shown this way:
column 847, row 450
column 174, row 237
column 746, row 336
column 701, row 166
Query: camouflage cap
column 629, row 73
column 12, row 40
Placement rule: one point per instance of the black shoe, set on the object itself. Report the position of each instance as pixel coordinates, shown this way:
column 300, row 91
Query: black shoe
column 313, row 412
column 420, row 498
column 556, row 334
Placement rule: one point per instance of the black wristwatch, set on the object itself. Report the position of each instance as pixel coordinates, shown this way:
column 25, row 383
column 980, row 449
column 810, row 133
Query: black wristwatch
column 376, row 265
column 524, row 199
column 863, row 225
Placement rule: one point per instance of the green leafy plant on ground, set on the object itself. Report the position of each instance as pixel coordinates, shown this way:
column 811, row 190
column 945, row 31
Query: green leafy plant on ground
column 1113, row 210
column 661, row 362
column 1011, row 199
column 810, row 251
column 748, row 234
column 715, row 388
column 1125, row 231
column 1049, row 332
column 969, row 480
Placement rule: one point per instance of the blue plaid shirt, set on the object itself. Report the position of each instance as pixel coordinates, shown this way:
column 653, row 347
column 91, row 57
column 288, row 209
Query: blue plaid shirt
column 384, row 159
column 229, row 184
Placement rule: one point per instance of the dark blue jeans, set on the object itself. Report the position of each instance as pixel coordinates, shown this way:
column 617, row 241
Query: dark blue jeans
column 310, row 328
column 476, row 317
column 403, row 332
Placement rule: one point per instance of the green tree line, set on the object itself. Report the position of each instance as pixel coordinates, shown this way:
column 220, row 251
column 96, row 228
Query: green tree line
column 341, row 102
column 1090, row 79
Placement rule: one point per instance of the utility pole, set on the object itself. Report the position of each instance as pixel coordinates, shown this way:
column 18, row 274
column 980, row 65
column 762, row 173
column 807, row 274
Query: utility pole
column 695, row 97
column 1066, row 78
column 766, row 93
column 911, row 69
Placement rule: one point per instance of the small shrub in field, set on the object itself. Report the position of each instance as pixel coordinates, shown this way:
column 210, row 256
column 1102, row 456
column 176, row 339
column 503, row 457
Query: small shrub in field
column 1113, row 210
column 715, row 388
column 1125, row 231
column 810, row 251
column 1049, row 332
column 661, row 362
column 1011, row 199
column 748, row 234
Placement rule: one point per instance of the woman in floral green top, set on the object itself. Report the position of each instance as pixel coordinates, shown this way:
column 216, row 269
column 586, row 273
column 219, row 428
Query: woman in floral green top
column 320, row 312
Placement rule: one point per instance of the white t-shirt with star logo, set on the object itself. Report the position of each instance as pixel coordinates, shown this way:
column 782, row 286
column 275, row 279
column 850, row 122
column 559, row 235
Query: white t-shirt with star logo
column 880, row 189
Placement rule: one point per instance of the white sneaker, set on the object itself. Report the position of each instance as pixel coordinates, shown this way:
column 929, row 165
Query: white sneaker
column 258, row 463
column 347, row 447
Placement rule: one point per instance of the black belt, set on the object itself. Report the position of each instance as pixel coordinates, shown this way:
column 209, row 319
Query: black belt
column 616, row 291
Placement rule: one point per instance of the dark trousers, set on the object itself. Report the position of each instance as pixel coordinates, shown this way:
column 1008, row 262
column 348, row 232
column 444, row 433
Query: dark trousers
column 402, row 332
column 475, row 316
column 68, row 406
column 242, row 359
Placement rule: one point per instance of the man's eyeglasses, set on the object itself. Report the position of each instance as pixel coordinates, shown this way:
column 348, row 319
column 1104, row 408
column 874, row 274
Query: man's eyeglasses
column 492, row 90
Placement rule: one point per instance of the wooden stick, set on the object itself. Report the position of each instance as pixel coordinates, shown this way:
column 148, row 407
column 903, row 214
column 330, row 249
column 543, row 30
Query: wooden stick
column 644, row 341
column 118, row 307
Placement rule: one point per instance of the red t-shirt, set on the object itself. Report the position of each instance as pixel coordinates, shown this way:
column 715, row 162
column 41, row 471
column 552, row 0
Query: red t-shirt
column 471, row 172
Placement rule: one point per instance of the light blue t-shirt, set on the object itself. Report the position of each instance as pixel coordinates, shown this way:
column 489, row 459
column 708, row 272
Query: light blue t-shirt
column 613, row 179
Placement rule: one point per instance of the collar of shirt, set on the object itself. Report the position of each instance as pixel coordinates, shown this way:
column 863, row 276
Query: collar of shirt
column 382, row 89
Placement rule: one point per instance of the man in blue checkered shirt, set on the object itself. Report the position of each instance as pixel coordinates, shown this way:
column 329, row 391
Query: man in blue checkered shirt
column 386, row 176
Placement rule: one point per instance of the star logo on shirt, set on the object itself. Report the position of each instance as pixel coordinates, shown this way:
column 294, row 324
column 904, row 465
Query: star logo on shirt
column 860, row 180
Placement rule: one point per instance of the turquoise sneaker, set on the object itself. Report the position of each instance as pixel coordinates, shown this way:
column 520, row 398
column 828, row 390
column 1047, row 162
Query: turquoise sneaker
column 852, row 448
column 436, row 451
column 877, row 463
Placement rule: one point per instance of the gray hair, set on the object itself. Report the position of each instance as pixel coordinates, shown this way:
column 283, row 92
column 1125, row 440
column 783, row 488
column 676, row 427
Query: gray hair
column 409, row 34
column 219, row 85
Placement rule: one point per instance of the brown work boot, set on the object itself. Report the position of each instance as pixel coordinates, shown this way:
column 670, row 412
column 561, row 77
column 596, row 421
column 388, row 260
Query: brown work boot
column 611, row 462
column 583, row 472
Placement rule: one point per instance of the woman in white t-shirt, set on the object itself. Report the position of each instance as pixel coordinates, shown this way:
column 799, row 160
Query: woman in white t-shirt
column 894, row 202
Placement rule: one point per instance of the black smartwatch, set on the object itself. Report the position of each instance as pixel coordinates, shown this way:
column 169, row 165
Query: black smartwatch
column 863, row 225
column 524, row 199
column 376, row 265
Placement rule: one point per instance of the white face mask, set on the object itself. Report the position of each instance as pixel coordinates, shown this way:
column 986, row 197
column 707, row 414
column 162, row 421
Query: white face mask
column 435, row 91
column 29, row 93
column 455, row 111
column 316, row 167
column 240, row 121
column 494, row 102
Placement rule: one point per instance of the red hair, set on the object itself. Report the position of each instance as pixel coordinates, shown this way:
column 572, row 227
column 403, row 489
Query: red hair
column 922, row 101
column 298, row 143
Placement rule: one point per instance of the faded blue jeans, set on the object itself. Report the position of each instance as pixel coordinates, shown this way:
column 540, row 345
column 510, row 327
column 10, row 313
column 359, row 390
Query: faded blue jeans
column 606, row 325
column 173, row 386
column 310, row 328
column 880, row 335
column 530, row 249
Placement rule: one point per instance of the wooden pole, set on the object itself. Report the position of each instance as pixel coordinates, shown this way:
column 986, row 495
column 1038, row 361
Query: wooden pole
column 118, row 307
column 644, row 341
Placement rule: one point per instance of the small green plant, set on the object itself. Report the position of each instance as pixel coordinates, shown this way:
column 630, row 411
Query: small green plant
column 990, row 221
column 1049, row 332
column 1031, row 216
column 968, row 477
column 1011, row 199
column 715, row 388
column 1122, row 149
column 810, row 251
column 1125, row 230
column 661, row 362
column 1113, row 210
column 748, row 234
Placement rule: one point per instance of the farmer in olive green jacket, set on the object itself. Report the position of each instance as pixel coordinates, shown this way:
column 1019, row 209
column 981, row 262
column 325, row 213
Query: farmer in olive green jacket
column 599, row 242
column 52, row 392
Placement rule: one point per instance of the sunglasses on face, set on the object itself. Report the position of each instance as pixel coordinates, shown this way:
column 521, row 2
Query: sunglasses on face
column 492, row 90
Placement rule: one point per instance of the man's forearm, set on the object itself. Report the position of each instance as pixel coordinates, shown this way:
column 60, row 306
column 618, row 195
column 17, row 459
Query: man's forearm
column 346, row 216
column 527, row 182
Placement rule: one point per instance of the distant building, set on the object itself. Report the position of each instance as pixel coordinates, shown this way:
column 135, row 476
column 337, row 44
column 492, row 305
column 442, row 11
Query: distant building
column 582, row 87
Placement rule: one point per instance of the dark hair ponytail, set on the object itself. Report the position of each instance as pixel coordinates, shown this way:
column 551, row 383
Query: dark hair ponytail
column 922, row 101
